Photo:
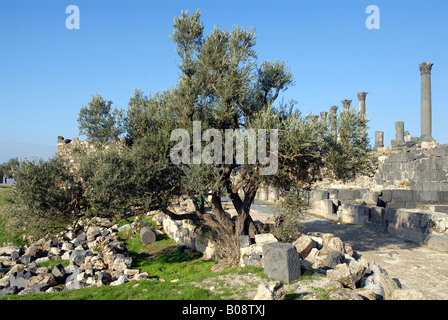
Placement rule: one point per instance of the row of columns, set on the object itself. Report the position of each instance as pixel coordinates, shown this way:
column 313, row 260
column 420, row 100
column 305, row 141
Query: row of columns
column 346, row 106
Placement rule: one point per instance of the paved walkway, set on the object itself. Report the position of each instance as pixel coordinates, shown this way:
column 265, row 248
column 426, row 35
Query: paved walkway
column 416, row 267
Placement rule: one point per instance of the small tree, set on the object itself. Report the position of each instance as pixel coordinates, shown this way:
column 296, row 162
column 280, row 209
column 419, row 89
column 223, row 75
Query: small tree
column 99, row 122
column 8, row 169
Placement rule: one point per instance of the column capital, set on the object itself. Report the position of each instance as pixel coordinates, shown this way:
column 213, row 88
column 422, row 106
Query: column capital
column 362, row 95
column 425, row 67
column 334, row 109
column 346, row 103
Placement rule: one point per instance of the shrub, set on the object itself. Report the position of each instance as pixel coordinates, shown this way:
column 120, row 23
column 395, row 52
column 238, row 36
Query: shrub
column 287, row 225
column 47, row 188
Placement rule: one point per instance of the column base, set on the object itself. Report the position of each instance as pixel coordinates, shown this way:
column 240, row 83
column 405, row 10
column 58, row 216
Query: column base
column 397, row 146
column 427, row 137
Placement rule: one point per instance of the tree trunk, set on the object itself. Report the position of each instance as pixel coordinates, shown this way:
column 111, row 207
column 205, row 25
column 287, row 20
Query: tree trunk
column 229, row 230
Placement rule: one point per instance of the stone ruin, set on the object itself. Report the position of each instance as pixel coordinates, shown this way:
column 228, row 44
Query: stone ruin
column 403, row 140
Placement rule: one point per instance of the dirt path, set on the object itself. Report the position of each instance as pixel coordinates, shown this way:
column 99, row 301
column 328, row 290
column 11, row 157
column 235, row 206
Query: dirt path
column 416, row 267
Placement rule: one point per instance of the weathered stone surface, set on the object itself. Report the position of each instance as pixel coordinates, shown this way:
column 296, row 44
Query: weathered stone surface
column 272, row 290
column 344, row 294
column 125, row 227
column 33, row 251
column 58, row 272
column 9, row 290
column 131, row 272
column 262, row 239
column 304, row 244
column 333, row 244
column 43, row 279
column 8, row 250
column 104, row 277
column 357, row 269
column 121, row 279
column 343, row 275
column 252, row 259
column 147, row 235
column 354, row 214
column 78, row 257
column 380, row 277
column 366, row 293
column 333, row 259
column 281, row 261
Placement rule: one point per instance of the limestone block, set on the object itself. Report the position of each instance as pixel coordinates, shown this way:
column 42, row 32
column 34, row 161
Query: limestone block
column 262, row 239
column 355, row 214
column 304, row 244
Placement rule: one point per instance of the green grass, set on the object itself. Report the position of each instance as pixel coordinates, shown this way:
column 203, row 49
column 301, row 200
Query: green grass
column 7, row 235
column 5, row 195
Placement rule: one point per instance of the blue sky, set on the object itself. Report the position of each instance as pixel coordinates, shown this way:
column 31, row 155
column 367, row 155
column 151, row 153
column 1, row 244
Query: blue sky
column 47, row 72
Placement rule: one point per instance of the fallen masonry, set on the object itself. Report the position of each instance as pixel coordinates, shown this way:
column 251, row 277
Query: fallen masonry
column 95, row 254
column 98, row 258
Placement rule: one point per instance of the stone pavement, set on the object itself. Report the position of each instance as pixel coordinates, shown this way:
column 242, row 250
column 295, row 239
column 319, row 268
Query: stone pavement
column 416, row 267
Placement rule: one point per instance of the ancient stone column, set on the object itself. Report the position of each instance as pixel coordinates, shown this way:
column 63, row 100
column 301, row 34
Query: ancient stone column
column 346, row 104
column 362, row 102
column 333, row 122
column 379, row 140
column 323, row 117
column 425, row 105
column 399, row 132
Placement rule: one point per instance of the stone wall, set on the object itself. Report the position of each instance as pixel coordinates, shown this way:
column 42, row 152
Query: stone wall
column 72, row 151
column 420, row 169
column 419, row 225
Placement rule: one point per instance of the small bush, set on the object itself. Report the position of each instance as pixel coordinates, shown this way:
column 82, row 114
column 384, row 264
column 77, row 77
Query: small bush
column 286, row 226
column 47, row 187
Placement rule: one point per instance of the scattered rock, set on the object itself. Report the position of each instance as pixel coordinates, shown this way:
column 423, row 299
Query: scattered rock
column 261, row 240
column 342, row 275
column 304, row 244
column 333, row 259
column 272, row 290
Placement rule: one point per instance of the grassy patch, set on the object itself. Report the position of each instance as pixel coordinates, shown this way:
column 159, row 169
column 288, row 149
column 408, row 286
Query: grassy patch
column 5, row 195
